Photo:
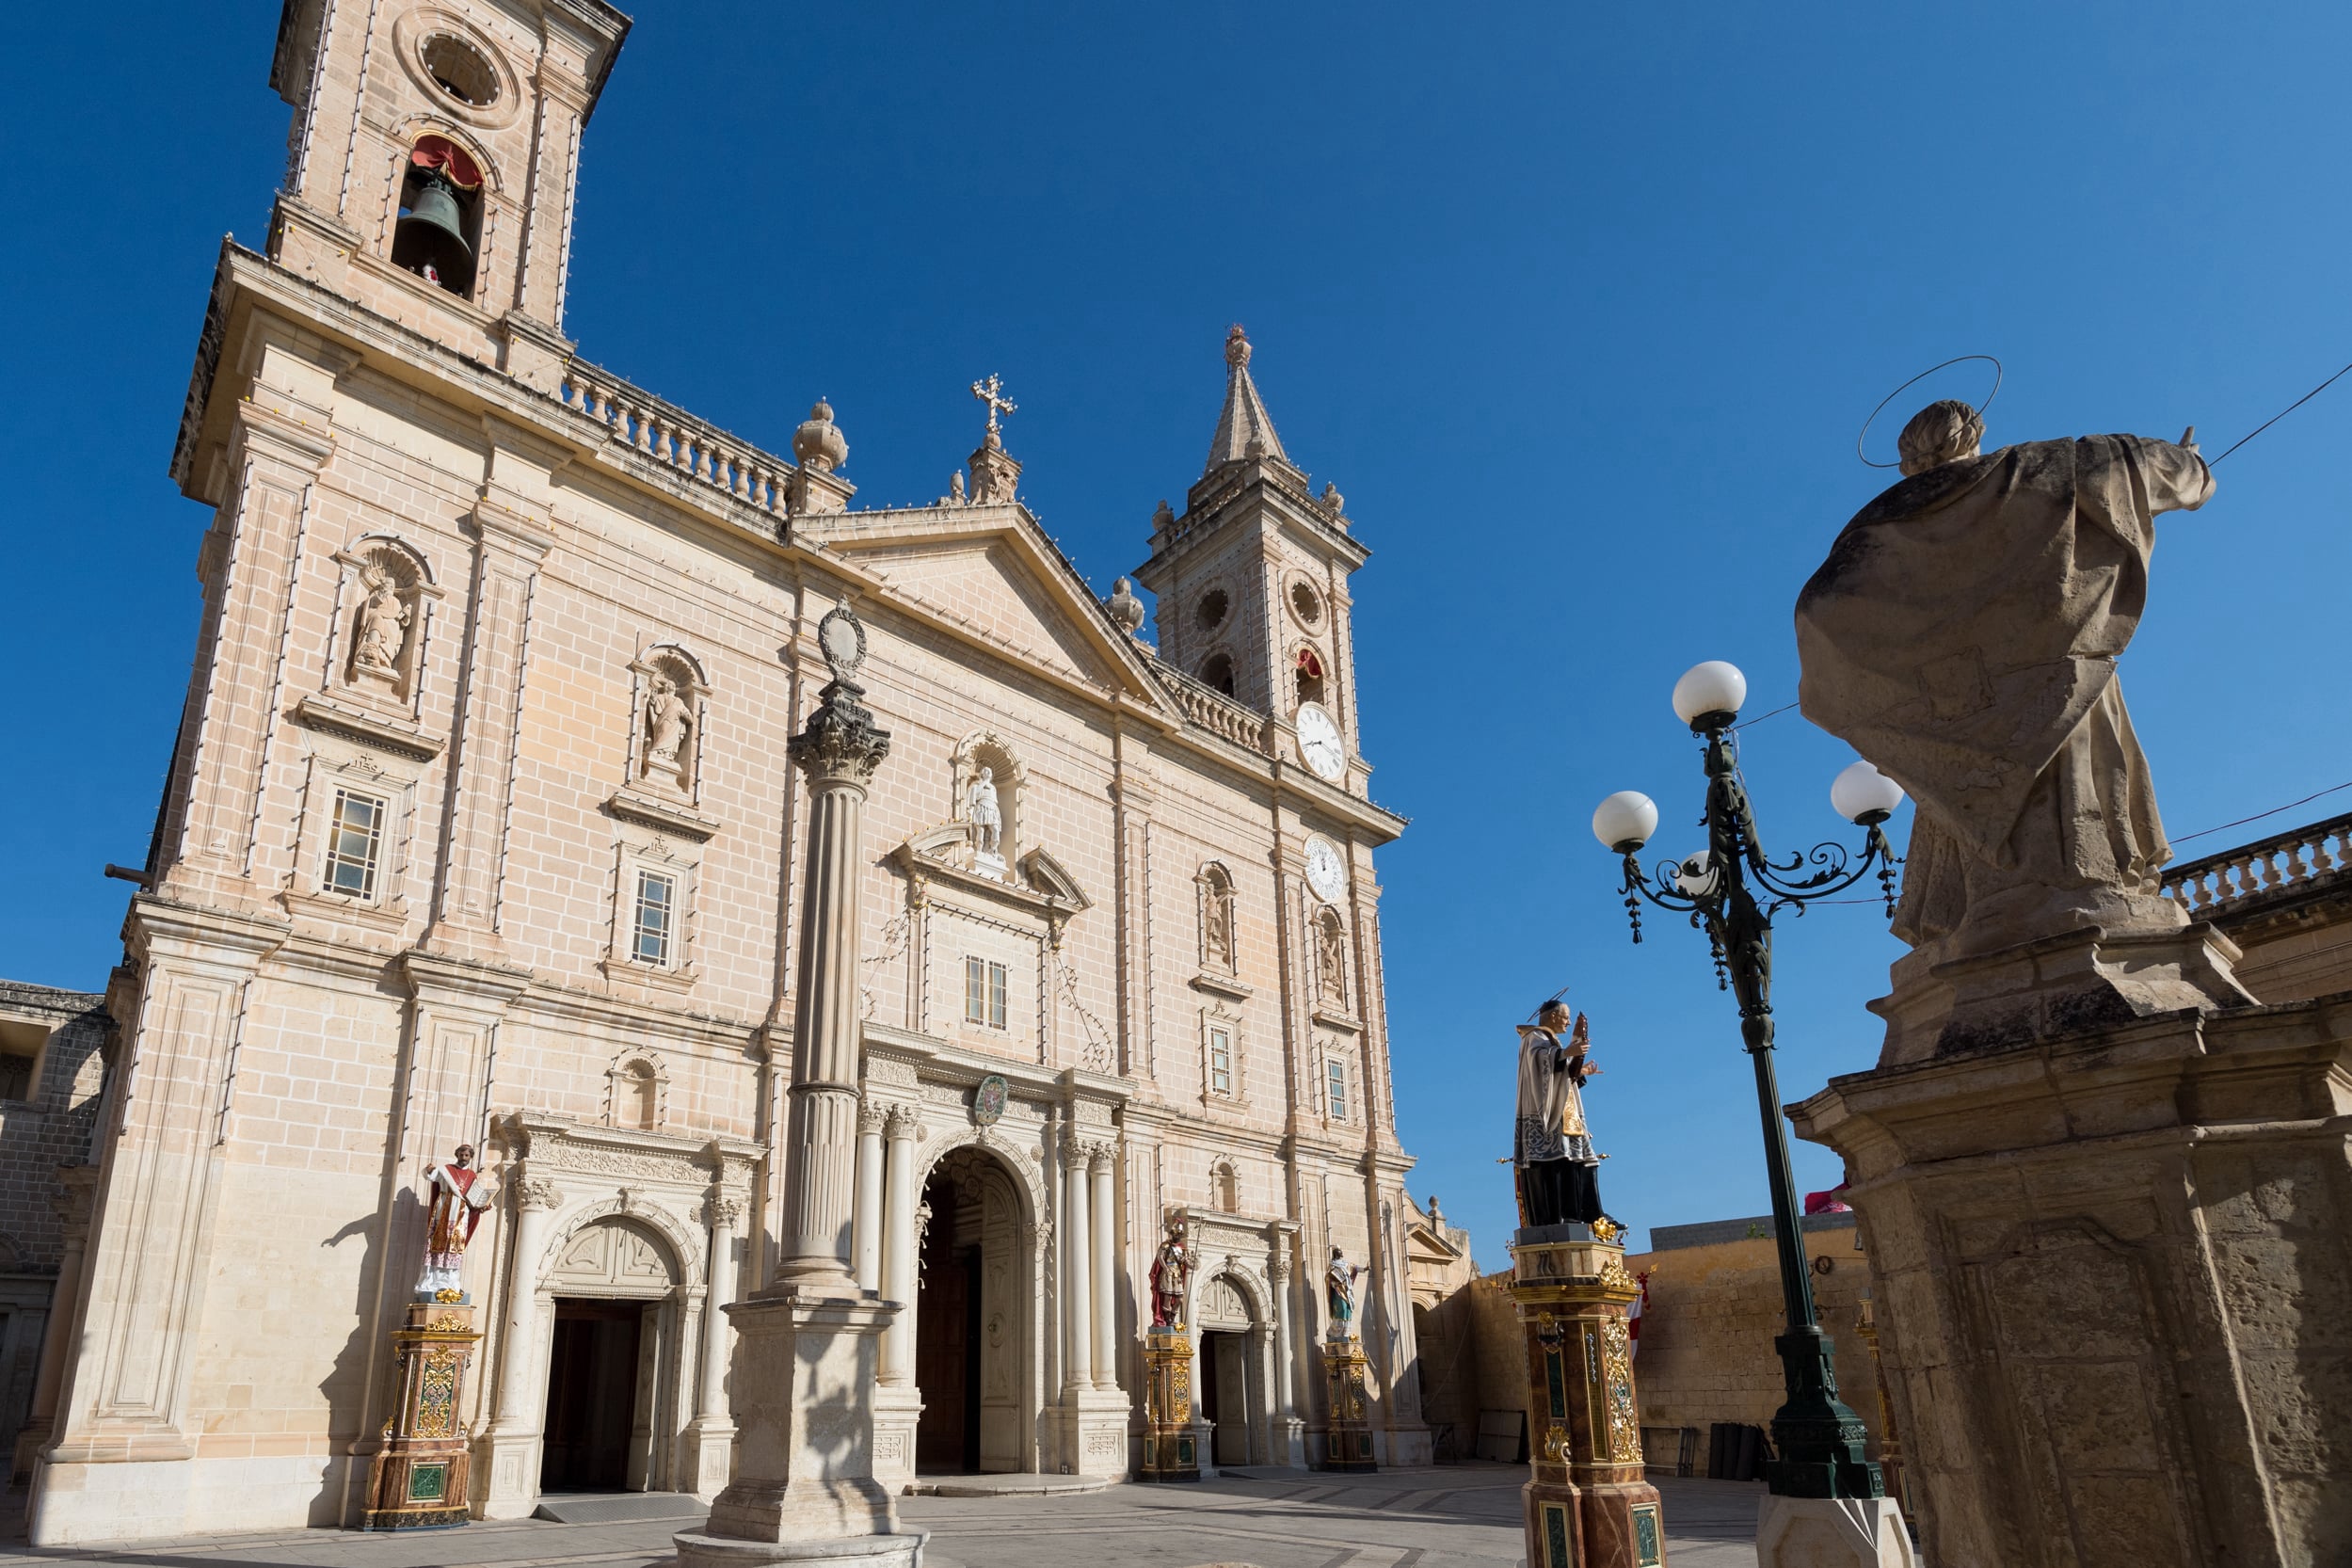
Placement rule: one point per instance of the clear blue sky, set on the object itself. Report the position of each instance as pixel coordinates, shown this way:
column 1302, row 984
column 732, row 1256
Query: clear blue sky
column 1580, row 305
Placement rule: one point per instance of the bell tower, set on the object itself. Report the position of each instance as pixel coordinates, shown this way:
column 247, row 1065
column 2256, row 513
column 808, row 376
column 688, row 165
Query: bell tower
column 1251, row 582
column 432, row 160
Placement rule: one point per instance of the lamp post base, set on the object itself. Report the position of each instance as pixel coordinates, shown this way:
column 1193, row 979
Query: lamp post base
column 1833, row 1532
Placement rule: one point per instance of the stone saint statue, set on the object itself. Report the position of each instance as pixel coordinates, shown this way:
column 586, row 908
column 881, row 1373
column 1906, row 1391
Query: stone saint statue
column 1331, row 949
column 669, row 720
column 383, row 626
column 1962, row 636
column 1171, row 1269
column 1551, row 1146
column 1217, row 934
column 980, row 810
column 454, row 1196
column 1339, row 1294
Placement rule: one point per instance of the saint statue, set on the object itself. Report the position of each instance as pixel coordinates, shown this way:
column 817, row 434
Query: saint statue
column 1962, row 636
column 1171, row 1269
column 1217, row 935
column 1559, row 1173
column 1331, row 949
column 668, row 721
column 1339, row 1294
column 980, row 810
column 383, row 626
column 454, row 1196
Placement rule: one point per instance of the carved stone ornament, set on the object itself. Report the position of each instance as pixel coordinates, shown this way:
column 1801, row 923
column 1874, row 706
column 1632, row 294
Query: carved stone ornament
column 841, row 740
column 871, row 1117
column 988, row 1101
column 538, row 1192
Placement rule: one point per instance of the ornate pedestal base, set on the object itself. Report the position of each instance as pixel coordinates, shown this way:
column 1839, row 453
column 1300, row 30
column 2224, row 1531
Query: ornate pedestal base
column 804, row 1487
column 1348, row 1440
column 1587, row 1504
column 898, row 1410
column 1171, row 1452
column 1832, row 1533
column 418, row 1478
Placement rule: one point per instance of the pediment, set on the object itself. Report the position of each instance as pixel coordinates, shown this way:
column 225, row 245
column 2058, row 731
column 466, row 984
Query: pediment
column 989, row 571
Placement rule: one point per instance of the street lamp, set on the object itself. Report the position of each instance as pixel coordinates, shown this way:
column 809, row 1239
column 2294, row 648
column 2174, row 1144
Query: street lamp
column 1731, row 889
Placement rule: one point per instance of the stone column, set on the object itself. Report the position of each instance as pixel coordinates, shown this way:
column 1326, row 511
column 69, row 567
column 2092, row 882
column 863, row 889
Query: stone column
column 711, row 1438
column 866, row 1213
column 1103, row 1247
column 1289, row 1430
column 512, row 1459
column 808, row 1346
column 898, row 1246
column 1076, row 1273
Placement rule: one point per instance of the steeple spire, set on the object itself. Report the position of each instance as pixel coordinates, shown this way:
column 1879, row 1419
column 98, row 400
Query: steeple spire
column 1244, row 424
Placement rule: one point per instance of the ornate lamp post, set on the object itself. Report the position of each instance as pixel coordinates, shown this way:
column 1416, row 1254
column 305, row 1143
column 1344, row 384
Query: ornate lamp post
column 1732, row 889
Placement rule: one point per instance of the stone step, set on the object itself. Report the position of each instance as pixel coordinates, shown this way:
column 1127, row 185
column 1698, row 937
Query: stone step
column 612, row 1508
column 1009, row 1484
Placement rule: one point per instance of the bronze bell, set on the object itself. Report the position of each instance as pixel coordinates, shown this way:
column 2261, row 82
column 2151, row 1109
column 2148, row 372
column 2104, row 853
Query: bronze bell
column 432, row 231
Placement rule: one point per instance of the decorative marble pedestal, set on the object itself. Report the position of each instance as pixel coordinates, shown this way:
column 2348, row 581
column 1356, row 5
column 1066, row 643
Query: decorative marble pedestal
column 417, row 1480
column 1587, row 1503
column 1170, row 1448
column 1348, row 1442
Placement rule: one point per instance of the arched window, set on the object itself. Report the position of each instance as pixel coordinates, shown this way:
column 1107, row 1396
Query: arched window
column 1217, row 671
column 439, row 236
column 1311, row 675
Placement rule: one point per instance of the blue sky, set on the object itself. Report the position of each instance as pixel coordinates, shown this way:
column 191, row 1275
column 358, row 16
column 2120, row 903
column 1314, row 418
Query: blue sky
column 1580, row 308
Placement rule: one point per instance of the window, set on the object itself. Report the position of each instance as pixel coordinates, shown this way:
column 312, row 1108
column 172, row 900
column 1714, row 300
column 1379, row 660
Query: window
column 355, row 840
column 1311, row 675
column 1210, row 613
column 657, row 917
column 20, row 1058
column 1337, row 1072
column 984, row 993
column 1217, row 671
column 1221, row 1061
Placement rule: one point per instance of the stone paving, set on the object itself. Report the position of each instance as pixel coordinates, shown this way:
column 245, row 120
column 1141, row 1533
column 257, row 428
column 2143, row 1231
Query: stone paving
column 1457, row 1517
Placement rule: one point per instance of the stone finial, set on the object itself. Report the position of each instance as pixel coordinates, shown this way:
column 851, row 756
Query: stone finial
column 1126, row 609
column 1163, row 518
column 1332, row 501
column 1237, row 346
column 819, row 444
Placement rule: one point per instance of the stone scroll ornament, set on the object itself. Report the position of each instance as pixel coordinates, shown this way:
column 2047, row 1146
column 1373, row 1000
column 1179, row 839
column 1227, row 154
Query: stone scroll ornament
column 454, row 1196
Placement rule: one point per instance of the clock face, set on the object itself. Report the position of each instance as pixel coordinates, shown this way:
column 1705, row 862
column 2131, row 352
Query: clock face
column 1320, row 742
column 1325, row 872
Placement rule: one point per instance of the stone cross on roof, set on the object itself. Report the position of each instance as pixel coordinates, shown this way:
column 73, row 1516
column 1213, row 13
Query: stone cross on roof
column 990, row 392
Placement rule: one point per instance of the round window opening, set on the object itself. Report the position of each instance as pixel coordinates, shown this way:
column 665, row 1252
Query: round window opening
column 1304, row 604
column 460, row 70
column 1211, row 613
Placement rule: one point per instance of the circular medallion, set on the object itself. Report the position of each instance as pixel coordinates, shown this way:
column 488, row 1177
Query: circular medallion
column 988, row 1101
column 842, row 640
column 1326, row 874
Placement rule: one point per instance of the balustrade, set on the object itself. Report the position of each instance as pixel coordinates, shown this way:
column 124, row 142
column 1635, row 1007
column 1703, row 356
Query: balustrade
column 2220, row 884
column 698, row 451
column 1213, row 711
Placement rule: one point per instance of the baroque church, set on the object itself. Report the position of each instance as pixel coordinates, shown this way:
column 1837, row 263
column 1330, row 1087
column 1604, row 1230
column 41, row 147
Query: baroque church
column 479, row 831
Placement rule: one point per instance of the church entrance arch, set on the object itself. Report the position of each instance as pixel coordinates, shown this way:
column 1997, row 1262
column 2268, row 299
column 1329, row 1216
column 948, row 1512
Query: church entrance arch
column 973, row 1352
column 1232, row 1377
column 613, row 1361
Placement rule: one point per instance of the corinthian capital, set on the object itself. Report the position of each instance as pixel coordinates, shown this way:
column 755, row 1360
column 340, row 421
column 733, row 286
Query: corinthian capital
column 902, row 1121
column 536, row 1192
column 840, row 743
column 871, row 1117
column 1102, row 1157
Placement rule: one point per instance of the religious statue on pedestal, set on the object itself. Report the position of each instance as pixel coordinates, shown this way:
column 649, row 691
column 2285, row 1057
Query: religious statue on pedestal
column 383, row 634
column 982, row 811
column 1551, row 1146
column 454, row 1196
column 669, row 721
column 1171, row 1269
column 1339, row 1278
column 1962, row 636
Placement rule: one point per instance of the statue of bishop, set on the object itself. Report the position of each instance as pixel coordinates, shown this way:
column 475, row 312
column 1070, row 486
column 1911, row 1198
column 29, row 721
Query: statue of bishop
column 454, row 1196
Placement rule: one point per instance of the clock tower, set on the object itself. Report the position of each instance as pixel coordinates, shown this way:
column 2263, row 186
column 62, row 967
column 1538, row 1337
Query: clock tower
column 1251, row 582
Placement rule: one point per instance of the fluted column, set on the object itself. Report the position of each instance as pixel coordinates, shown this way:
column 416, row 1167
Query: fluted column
column 518, row 1407
column 866, row 1215
column 897, row 1245
column 724, row 1213
column 1104, row 1247
column 837, row 752
column 1077, row 1274
column 1286, row 1403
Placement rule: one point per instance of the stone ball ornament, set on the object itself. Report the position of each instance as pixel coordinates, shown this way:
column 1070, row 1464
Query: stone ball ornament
column 1860, row 793
column 1624, row 821
column 1709, row 689
column 819, row 444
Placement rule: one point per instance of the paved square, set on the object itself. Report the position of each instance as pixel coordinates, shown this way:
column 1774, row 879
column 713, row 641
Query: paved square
column 1456, row 1517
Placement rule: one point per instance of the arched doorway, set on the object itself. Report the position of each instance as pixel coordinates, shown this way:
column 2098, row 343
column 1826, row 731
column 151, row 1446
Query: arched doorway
column 972, row 1319
column 1231, row 1376
column 613, row 1360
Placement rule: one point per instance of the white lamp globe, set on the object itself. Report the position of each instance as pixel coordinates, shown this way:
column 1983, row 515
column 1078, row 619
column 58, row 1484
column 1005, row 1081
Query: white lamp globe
column 1863, row 795
column 1624, row 820
column 1695, row 876
column 1714, row 687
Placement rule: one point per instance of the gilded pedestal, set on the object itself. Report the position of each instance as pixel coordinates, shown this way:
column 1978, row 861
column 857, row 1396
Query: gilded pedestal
column 418, row 1478
column 1348, row 1442
column 1170, row 1448
column 1587, row 1503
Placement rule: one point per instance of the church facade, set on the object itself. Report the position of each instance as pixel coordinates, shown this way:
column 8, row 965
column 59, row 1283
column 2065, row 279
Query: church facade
column 479, row 830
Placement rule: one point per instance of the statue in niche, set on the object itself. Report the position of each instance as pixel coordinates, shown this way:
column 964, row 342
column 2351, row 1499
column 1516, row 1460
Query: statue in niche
column 980, row 810
column 1171, row 1269
column 454, row 1196
column 669, row 722
column 1217, row 926
column 1339, row 1278
column 1331, row 958
column 383, row 626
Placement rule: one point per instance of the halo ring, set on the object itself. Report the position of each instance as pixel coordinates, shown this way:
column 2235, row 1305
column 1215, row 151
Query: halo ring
column 1899, row 392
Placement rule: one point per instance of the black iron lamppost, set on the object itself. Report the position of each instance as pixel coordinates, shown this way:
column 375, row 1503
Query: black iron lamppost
column 1732, row 889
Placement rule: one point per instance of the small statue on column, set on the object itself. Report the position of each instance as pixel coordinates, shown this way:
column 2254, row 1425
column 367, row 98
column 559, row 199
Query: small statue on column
column 1340, row 1293
column 1170, row 1445
column 419, row 1478
column 1171, row 1269
column 1552, row 1146
column 455, row 1198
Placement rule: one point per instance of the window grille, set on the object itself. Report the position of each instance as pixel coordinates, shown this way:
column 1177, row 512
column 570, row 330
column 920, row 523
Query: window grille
column 1338, row 1072
column 984, row 992
column 1221, row 1061
column 354, row 841
column 657, row 917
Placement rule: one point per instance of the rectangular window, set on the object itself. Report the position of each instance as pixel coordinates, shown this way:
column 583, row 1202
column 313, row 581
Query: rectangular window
column 354, row 838
column 1221, row 1061
column 984, row 993
column 1339, row 1080
column 657, row 917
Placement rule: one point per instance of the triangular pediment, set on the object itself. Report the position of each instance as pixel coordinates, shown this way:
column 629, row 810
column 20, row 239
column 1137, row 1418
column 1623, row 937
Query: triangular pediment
column 989, row 571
